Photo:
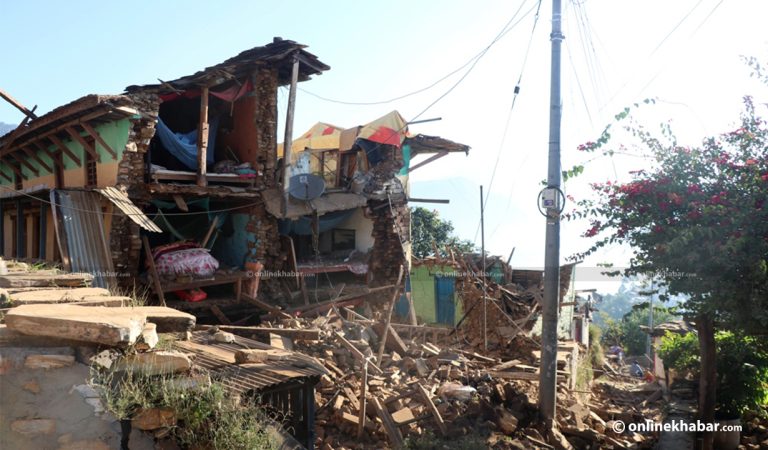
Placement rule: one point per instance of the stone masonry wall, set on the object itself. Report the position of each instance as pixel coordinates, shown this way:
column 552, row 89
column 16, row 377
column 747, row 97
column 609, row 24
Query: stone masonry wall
column 124, row 241
column 48, row 405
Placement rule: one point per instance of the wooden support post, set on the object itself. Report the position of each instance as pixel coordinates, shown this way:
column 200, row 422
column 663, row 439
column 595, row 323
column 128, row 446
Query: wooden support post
column 383, row 342
column 153, row 271
column 43, row 230
column 361, row 412
column 288, row 140
column 20, row 230
column 202, row 139
column 208, row 235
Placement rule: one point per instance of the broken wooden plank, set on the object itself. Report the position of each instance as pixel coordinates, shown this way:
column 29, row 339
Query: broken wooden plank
column 432, row 408
column 395, row 436
column 355, row 352
column 97, row 324
column 362, row 401
column 394, row 343
column 307, row 334
column 266, row 306
column 220, row 315
column 391, row 308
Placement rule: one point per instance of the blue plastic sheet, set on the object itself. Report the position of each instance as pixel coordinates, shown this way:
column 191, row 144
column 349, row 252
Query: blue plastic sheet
column 183, row 146
column 303, row 225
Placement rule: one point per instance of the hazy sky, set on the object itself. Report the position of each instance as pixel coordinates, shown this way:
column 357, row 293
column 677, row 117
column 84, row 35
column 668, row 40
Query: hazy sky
column 686, row 53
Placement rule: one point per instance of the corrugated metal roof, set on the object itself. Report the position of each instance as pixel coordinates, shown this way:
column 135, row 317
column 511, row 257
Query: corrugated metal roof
column 119, row 199
column 219, row 358
column 79, row 225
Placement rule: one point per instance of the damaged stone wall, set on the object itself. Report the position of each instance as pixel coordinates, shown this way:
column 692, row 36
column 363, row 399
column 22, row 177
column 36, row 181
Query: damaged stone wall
column 124, row 241
column 391, row 217
column 265, row 121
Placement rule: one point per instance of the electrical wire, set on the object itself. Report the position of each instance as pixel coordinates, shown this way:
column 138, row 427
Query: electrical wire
column 473, row 61
column 509, row 112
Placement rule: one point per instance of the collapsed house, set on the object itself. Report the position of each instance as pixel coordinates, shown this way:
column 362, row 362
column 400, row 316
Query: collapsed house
column 181, row 185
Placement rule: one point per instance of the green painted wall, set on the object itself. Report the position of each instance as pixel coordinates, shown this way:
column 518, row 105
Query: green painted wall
column 423, row 292
column 114, row 133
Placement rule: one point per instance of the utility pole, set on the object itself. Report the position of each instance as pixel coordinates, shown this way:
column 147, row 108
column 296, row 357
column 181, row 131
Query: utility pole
column 548, row 369
column 482, row 249
column 649, row 343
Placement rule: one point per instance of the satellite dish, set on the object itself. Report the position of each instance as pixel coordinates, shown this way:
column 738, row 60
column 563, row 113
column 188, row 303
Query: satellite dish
column 306, row 186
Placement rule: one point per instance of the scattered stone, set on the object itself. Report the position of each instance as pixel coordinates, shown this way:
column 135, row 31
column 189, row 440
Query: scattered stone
column 154, row 418
column 33, row 427
column 48, row 361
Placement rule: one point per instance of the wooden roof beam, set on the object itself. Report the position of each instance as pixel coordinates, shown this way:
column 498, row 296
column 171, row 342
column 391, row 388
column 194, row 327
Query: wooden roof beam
column 91, row 149
column 95, row 134
column 7, row 97
column 65, row 150
column 77, row 121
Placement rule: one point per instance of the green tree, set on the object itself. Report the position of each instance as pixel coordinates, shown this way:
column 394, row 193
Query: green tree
column 634, row 338
column 427, row 228
column 742, row 367
column 697, row 221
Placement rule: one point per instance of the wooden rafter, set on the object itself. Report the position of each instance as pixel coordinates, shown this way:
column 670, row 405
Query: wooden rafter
column 65, row 149
column 46, row 135
column 32, row 154
column 2, row 173
column 91, row 149
column 17, row 170
column 95, row 134
column 428, row 160
column 44, row 149
column 29, row 166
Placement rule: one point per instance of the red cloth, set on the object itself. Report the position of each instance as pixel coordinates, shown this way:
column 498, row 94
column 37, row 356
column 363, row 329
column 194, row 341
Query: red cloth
column 230, row 94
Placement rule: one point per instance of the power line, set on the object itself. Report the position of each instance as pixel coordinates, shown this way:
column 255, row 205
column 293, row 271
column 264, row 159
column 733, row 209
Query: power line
column 509, row 112
column 473, row 60
column 658, row 46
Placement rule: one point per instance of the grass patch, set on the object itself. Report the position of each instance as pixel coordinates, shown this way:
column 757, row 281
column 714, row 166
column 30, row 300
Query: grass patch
column 208, row 416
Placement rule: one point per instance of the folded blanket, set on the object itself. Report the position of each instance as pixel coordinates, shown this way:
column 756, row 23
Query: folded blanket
column 192, row 261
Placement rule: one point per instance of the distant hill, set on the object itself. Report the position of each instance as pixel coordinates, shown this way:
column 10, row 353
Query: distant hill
column 6, row 127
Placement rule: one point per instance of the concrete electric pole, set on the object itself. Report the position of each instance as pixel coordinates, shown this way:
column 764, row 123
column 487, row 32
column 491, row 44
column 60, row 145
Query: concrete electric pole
column 551, row 201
